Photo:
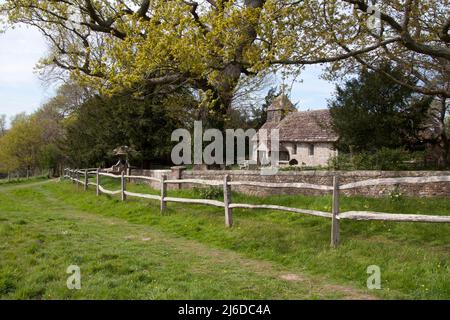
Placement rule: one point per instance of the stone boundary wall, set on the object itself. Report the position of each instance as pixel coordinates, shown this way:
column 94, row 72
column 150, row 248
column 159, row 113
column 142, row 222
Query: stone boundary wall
column 174, row 173
column 435, row 189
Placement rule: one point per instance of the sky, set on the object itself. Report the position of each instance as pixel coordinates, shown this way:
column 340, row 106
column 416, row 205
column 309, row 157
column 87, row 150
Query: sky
column 21, row 90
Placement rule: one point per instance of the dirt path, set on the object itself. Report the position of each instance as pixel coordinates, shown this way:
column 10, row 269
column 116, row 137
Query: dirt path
column 25, row 185
column 141, row 233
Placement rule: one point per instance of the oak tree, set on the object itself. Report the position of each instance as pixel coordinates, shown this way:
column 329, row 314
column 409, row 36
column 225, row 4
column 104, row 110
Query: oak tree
column 143, row 45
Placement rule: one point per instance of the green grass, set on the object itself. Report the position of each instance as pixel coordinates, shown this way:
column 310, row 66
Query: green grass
column 15, row 181
column 45, row 228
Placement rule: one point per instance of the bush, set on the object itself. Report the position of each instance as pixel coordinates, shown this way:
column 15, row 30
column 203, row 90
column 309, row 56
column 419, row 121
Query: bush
column 341, row 162
column 303, row 168
column 383, row 159
column 213, row 193
column 396, row 194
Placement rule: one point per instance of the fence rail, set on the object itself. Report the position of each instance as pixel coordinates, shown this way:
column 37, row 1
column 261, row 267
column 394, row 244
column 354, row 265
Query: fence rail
column 394, row 181
column 335, row 215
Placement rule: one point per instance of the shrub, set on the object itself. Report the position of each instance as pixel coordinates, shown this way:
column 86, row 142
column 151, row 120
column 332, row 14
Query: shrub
column 341, row 162
column 382, row 159
column 303, row 168
column 213, row 193
column 396, row 194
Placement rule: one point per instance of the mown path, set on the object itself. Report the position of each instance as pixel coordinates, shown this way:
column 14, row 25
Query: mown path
column 41, row 236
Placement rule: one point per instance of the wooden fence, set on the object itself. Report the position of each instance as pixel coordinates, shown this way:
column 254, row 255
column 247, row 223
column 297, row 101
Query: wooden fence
column 335, row 215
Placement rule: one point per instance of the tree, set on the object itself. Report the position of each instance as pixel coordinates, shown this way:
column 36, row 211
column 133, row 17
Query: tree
column 259, row 115
column 21, row 146
column 69, row 96
column 33, row 141
column 158, row 45
column 434, row 133
column 251, row 113
column 8, row 162
column 370, row 112
column 50, row 117
column 412, row 36
column 2, row 124
column 103, row 123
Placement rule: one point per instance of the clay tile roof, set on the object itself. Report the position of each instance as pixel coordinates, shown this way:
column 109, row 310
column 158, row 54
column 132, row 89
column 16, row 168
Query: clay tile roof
column 304, row 126
column 307, row 126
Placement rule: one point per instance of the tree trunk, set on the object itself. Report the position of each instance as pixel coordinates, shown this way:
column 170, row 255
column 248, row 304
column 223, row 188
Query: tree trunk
column 435, row 135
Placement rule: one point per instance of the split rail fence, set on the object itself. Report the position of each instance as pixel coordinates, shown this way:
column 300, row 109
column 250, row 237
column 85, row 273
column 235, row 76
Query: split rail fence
column 82, row 177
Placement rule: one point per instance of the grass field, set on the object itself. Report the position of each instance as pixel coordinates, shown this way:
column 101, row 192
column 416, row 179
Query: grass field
column 21, row 180
column 128, row 250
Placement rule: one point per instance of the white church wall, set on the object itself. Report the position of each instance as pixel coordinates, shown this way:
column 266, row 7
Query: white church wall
column 322, row 153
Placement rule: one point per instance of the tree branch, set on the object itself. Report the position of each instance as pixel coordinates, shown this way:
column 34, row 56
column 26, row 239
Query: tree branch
column 407, row 40
column 344, row 56
column 425, row 91
column 443, row 34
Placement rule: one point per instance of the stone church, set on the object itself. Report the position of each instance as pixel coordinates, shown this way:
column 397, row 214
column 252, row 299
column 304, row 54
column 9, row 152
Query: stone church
column 306, row 137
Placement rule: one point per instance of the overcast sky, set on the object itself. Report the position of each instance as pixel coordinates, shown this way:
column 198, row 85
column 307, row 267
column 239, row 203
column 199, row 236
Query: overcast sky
column 22, row 91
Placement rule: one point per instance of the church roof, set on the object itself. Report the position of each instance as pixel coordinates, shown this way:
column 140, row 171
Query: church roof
column 304, row 126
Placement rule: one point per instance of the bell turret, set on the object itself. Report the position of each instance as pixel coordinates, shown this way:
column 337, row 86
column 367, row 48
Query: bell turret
column 280, row 106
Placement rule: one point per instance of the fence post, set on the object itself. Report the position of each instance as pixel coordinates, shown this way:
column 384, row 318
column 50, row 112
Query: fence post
column 85, row 180
column 227, row 201
column 335, row 236
column 97, row 177
column 78, row 178
column 163, row 193
column 123, row 186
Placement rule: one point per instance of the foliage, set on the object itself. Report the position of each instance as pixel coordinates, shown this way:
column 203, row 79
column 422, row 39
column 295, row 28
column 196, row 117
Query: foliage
column 2, row 124
column 396, row 194
column 211, row 192
column 33, row 141
column 22, row 145
column 259, row 115
column 69, row 96
column 124, row 45
column 382, row 159
column 302, row 168
column 371, row 112
column 103, row 123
